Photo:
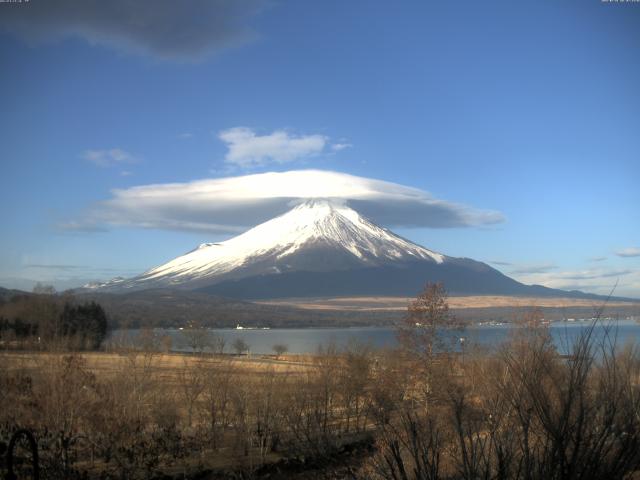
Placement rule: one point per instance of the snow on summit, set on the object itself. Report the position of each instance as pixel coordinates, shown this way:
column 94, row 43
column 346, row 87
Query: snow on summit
column 316, row 235
column 320, row 248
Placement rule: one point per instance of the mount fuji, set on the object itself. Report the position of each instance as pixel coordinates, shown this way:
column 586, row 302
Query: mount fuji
column 321, row 248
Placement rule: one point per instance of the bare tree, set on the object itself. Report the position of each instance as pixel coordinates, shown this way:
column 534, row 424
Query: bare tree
column 218, row 342
column 240, row 346
column 426, row 331
column 280, row 349
column 218, row 383
column 148, row 340
column 65, row 392
column 421, row 333
column 390, row 382
column 313, row 416
column 167, row 342
column 410, row 448
column 191, row 379
column 355, row 379
column 197, row 337
column 269, row 405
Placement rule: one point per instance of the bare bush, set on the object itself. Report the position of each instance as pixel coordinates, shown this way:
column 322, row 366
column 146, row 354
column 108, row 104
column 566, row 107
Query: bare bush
column 197, row 337
column 313, row 416
column 219, row 381
column 240, row 346
column 280, row 349
column 527, row 413
column 355, row 378
column 191, row 381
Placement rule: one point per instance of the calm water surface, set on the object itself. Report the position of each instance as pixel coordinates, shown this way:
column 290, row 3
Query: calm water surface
column 307, row 340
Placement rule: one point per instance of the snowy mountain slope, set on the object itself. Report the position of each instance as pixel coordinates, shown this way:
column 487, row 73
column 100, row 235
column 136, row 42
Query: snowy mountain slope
column 313, row 236
column 320, row 248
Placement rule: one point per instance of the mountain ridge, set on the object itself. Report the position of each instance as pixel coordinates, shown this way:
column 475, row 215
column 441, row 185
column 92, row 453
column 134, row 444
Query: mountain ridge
column 323, row 248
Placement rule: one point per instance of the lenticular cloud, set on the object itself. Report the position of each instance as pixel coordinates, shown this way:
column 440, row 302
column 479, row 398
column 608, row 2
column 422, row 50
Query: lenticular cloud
column 233, row 204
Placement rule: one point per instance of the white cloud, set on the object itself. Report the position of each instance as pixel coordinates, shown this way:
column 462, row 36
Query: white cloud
column 233, row 204
column 248, row 149
column 336, row 147
column 109, row 158
column 594, row 280
column 61, row 276
column 629, row 252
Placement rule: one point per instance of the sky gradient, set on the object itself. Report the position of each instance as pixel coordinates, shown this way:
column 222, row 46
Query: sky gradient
column 528, row 110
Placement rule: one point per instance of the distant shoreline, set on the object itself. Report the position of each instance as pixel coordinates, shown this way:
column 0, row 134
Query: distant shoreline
column 389, row 303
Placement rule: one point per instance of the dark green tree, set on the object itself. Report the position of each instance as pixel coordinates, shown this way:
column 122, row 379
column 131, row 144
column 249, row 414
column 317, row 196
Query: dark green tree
column 87, row 323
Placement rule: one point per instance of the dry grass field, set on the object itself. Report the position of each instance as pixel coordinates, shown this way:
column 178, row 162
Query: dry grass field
column 359, row 414
column 134, row 412
column 186, row 412
column 165, row 364
column 400, row 303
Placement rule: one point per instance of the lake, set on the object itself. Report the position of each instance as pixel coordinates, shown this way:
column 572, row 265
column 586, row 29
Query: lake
column 307, row 340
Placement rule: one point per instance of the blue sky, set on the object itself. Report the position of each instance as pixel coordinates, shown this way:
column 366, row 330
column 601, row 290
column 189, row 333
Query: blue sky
column 530, row 110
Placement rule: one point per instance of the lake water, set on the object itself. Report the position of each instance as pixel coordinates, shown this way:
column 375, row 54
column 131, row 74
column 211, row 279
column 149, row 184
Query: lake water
column 307, row 340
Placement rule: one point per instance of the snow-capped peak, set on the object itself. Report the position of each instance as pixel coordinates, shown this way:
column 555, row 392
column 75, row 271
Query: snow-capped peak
column 109, row 283
column 342, row 235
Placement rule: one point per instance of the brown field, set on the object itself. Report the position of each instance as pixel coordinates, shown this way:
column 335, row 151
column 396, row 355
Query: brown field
column 165, row 365
column 361, row 414
column 157, row 386
column 400, row 303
